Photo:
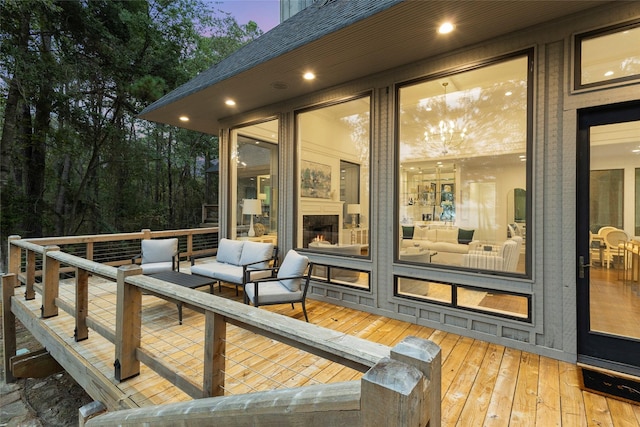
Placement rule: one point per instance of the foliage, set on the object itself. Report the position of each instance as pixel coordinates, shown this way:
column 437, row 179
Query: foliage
column 74, row 159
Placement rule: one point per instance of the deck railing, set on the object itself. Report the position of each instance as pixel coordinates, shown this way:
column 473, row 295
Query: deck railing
column 113, row 249
column 400, row 385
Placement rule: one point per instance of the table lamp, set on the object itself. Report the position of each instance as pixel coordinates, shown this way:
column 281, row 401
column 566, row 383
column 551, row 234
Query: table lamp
column 251, row 207
column 353, row 209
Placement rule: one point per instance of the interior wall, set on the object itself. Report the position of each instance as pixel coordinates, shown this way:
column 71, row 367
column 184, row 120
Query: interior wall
column 629, row 164
column 327, row 141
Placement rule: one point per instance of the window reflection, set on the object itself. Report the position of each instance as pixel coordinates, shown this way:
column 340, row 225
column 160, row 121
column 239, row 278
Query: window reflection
column 254, row 167
column 333, row 204
column 516, row 306
column 462, row 142
column 608, row 56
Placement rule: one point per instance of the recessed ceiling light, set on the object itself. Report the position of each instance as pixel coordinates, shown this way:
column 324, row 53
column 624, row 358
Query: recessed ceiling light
column 279, row 85
column 230, row 102
column 446, row 28
column 508, row 93
column 608, row 74
column 309, row 75
column 184, row 118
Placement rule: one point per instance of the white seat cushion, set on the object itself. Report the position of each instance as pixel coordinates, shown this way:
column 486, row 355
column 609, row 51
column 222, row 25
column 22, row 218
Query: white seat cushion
column 225, row 272
column 156, row 267
column 271, row 292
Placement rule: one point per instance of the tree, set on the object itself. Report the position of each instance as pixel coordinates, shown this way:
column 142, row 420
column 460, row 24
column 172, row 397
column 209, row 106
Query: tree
column 74, row 158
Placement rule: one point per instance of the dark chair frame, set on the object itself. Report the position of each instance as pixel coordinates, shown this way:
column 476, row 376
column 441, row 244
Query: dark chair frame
column 306, row 278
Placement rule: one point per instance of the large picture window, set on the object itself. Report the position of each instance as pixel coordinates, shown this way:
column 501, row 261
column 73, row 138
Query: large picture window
column 463, row 193
column 254, row 168
column 334, row 194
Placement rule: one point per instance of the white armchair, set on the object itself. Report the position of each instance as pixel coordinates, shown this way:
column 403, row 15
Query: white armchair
column 614, row 241
column 289, row 286
column 158, row 255
column 503, row 258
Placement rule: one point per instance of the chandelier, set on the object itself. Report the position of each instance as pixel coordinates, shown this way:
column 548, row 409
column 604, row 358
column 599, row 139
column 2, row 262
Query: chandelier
column 447, row 136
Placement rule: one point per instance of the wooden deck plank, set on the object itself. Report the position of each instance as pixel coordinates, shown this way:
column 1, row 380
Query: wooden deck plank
column 571, row 399
column 622, row 413
column 453, row 403
column 499, row 411
column 478, row 398
column 523, row 411
column 548, row 407
column 453, row 363
column 597, row 410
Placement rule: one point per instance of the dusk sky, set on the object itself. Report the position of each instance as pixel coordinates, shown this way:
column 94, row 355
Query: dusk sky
column 266, row 13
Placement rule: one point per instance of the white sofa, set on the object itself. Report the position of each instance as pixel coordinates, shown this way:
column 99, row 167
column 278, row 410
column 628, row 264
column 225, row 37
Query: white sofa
column 235, row 260
column 450, row 242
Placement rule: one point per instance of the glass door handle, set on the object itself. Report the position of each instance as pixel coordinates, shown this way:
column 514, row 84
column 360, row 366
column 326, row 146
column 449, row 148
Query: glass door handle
column 581, row 267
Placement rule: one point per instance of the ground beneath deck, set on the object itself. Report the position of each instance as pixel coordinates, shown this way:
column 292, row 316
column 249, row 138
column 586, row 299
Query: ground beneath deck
column 47, row 402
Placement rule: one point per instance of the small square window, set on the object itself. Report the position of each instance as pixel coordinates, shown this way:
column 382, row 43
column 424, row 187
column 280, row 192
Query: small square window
column 607, row 56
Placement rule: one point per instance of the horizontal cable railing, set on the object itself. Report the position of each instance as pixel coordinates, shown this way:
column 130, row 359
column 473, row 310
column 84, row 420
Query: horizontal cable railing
column 120, row 249
column 414, row 362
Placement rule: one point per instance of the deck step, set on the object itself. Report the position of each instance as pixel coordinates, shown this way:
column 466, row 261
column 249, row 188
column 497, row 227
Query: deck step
column 610, row 383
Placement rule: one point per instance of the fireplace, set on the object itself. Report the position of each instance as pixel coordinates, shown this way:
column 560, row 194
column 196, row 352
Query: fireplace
column 320, row 227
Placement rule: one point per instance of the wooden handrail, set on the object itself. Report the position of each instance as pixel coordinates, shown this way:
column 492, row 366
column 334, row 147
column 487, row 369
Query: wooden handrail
column 401, row 390
column 415, row 361
column 34, row 245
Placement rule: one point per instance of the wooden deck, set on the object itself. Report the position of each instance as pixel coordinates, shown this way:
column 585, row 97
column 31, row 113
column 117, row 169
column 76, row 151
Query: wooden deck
column 482, row 383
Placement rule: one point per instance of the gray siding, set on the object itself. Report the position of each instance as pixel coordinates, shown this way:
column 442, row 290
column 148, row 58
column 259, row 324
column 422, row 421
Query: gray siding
column 553, row 283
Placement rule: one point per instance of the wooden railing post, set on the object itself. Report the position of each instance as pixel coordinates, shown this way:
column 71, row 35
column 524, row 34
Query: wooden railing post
column 82, row 304
column 15, row 253
column 8, row 325
column 215, row 335
column 51, row 282
column 90, row 251
column 146, row 234
column 30, row 278
column 392, row 394
column 189, row 245
column 426, row 356
column 128, row 324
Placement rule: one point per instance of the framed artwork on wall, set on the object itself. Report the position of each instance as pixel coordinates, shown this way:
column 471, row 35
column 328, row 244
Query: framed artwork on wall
column 315, row 180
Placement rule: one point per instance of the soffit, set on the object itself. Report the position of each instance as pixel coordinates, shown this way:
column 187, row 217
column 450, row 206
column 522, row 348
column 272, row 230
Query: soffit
column 399, row 35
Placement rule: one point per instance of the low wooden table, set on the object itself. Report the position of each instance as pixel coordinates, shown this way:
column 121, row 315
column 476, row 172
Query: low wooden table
column 190, row 281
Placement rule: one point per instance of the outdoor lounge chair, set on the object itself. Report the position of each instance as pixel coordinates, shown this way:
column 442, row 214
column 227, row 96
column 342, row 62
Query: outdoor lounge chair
column 158, row 255
column 289, row 285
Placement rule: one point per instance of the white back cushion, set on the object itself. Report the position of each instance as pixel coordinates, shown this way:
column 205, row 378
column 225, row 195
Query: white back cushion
column 431, row 235
column 448, row 235
column 161, row 250
column 256, row 251
column 293, row 265
column 420, row 233
column 229, row 251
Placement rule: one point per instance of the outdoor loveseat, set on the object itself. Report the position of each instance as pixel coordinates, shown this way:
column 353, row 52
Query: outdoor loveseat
column 238, row 262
